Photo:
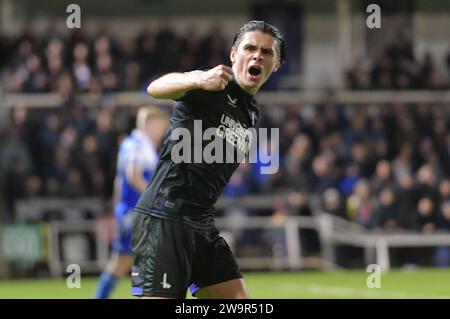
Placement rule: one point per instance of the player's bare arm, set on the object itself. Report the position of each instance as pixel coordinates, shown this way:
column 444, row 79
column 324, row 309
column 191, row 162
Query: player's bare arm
column 176, row 85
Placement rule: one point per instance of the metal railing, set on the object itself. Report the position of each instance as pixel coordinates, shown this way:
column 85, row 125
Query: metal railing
column 332, row 231
column 287, row 98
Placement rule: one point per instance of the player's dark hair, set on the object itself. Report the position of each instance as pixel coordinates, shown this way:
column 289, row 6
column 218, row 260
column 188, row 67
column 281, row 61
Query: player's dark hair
column 265, row 28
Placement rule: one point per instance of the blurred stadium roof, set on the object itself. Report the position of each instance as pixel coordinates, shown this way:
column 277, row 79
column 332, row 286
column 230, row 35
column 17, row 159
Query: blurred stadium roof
column 141, row 7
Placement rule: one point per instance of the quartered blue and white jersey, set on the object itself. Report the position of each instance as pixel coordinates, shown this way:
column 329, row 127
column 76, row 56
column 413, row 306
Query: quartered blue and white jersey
column 136, row 150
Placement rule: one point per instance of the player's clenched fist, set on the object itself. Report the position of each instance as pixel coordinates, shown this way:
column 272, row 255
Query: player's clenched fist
column 215, row 79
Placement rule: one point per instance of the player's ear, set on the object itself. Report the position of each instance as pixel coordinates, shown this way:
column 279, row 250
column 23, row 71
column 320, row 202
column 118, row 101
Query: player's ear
column 233, row 55
column 276, row 67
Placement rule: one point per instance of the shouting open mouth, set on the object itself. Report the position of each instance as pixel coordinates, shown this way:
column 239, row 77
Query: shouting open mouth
column 255, row 71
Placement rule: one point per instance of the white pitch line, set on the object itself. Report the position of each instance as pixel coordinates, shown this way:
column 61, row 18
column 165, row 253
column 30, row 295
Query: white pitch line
column 368, row 293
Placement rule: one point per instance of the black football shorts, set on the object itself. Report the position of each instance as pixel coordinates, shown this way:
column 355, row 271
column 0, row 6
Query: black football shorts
column 171, row 256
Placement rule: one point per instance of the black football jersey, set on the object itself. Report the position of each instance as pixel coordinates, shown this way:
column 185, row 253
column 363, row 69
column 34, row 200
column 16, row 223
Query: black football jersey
column 187, row 190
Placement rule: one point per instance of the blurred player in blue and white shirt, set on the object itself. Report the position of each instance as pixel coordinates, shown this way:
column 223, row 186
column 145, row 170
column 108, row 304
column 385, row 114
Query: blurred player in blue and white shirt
column 136, row 162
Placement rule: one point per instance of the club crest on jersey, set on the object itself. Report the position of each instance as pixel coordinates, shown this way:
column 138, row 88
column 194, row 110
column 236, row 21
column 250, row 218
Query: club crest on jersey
column 232, row 102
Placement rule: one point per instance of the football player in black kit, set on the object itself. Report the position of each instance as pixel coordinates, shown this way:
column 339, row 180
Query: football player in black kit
column 175, row 241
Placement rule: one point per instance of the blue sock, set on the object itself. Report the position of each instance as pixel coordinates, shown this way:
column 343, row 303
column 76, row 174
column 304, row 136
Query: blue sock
column 106, row 285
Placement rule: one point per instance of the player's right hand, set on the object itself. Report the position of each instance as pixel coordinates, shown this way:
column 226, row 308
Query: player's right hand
column 215, row 79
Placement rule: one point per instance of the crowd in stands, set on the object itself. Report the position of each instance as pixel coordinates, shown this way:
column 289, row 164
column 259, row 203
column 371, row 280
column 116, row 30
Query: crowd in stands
column 397, row 68
column 103, row 63
column 384, row 167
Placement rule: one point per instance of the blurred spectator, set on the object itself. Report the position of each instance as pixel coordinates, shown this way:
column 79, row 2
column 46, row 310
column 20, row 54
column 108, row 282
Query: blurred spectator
column 34, row 187
column 402, row 164
column 292, row 126
column 386, row 211
column 350, row 179
column 49, row 135
column 325, row 173
column 426, row 223
column 382, row 178
column 444, row 190
column 360, row 205
column 73, row 184
column 331, row 203
column 15, row 167
column 427, row 182
column 426, row 215
column 359, row 153
column 81, row 70
column 297, row 165
column 105, row 134
column 406, row 202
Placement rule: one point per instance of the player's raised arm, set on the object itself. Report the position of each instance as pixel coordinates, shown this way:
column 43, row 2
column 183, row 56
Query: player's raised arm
column 175, row 85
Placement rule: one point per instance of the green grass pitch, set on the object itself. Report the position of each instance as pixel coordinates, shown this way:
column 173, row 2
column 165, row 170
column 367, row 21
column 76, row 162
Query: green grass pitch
column 416, row 284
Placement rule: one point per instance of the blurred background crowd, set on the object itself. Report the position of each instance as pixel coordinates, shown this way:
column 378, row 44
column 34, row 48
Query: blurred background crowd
column 383, row 166
column 102, row 63
column 396, row 67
